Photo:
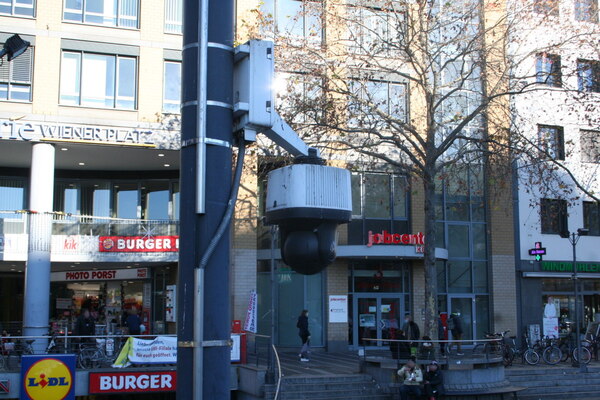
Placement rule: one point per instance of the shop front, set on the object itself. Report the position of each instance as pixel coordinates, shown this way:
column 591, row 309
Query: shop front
column 108, row 294
column 554, row 303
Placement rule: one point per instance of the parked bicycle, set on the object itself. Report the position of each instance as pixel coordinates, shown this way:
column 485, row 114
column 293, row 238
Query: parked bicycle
column 497, row 346
column 569, row 350
column 552, row 354
column 526, row 352
column 100, row 355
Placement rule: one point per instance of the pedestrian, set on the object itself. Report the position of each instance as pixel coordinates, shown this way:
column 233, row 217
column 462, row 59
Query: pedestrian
column 455, row 326
column 411, row 376
column 133, row 322
column 433, row 381
column 85, row 326
column 442, row 335
column 304, row 334
column 412, row 332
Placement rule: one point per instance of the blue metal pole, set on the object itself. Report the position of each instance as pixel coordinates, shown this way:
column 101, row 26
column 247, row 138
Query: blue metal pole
column 206, row 134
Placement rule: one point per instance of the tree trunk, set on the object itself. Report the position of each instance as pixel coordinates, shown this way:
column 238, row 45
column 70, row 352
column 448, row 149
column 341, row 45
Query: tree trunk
column 430, row 269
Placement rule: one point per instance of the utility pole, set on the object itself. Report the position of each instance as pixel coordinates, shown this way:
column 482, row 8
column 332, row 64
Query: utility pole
column 203, row 322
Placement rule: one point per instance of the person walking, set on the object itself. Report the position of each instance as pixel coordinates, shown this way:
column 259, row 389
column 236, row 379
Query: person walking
column 455, row 326
column 133, row 322
column 85, row 326
column 442, row 335
column 412, row 377
column 412, row 332
column 304, row 334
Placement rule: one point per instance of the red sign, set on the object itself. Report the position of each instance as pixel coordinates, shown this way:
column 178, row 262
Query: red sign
column 139, row 244
column 396, row 238
column 132, row 382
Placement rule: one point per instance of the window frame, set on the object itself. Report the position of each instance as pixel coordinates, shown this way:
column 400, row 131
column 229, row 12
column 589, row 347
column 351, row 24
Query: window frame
column 553, row 214
column 551, row 76
column 178, row 103
column 14, row 6
column 593, row 86
column 117, row 76
column 547, row 7
column 358, row 89
column 369, row 34
column 554, row 148
column 118, row 16
column 586, row 15
column 590, row 152
column 587, row 218
column 176, row 24
column 29, row 55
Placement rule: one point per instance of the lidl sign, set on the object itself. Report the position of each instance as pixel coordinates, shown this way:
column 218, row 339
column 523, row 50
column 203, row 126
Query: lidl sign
column 48, row 377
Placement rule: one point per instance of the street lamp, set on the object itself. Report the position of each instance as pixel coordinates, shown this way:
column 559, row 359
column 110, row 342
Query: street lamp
column 573, row 239
column 14, row 47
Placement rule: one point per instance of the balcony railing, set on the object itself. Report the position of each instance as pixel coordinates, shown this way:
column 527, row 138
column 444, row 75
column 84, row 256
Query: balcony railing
column 17, row 222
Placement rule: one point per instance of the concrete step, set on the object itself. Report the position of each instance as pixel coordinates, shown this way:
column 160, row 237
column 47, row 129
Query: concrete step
column 579, row 396
column 353, row 387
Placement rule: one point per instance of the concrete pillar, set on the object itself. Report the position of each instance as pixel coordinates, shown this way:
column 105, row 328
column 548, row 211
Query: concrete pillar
column 36, row 305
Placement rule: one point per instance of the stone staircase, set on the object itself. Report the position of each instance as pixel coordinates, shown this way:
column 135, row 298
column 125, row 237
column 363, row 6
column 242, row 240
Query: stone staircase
column 327, row 387
column 549, row 383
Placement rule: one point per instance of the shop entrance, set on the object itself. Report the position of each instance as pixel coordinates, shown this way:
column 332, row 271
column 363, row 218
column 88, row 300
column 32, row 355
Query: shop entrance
column 376, row 316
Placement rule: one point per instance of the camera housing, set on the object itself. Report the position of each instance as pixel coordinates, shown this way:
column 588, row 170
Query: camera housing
column 308, row 201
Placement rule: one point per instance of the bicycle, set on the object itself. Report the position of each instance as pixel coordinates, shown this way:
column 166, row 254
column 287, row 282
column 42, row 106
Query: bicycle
column 552, row 353
column 498, row 346
column 526, row 352
column 569, row 350
column 91, row 356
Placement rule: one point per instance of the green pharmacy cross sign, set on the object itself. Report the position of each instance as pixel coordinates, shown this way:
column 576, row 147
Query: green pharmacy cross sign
column 538, row 251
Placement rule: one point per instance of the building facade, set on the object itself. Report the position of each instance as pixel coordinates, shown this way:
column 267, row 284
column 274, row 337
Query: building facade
column 561, row 115
column 89, row 160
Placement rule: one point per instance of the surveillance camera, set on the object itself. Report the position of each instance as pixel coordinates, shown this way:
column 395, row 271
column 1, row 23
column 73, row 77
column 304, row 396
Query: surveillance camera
column 308, row 202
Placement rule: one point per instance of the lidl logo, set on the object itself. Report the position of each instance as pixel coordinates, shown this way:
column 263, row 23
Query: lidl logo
column 48, row 378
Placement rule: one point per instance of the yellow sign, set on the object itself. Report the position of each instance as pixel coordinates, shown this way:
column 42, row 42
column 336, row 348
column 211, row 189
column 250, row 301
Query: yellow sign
column 48, row 379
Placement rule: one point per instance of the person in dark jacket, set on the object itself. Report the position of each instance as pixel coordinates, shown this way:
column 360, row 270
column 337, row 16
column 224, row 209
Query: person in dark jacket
column 133, row 322
column 442, row 335
column 412, row 332
column 304, row 334
column 455, row 326
column 85, row 326
column 433, row 381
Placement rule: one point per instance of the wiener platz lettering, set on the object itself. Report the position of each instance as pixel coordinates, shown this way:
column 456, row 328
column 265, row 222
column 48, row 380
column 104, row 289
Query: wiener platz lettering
column 132, row 382
column 138, row 244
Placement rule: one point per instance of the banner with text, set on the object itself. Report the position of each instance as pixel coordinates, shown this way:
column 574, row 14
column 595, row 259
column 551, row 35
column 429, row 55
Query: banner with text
column 162, row 350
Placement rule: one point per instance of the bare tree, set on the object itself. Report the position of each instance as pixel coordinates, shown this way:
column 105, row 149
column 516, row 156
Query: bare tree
column 423, row 87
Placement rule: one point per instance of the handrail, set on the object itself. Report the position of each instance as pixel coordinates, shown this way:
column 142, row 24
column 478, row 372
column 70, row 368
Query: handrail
column 279, row 372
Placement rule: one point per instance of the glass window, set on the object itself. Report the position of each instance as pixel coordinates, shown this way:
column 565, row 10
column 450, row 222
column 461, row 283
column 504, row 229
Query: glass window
column 377, row 196
column 299, row 97
column 458, row 241
column 23, row 8
column 547, row 7
column 459, row 276
column 173, row 16
column 441, row 277
column 590, row 146
column 296, row 18
column 588, row 76
column 591, row 217
column 126, row 200
column 121, row 13
column 554, row 216
column 12, row 194
column 480, row 276
column 586, row 10
column 356, row 181
column 373, row 30
column 479, row 241
column 390, row 98
column 16, row 77
column 66, row 198
column 176, row 197
column 400, row 188
column 155, row 198
column 457, row 194
column 547, row 68
column 101, row 200
column 98, row 80
column 552, row 142
column 172, row 87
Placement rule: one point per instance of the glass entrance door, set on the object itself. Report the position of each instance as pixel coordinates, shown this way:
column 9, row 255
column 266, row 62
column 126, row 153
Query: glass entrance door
column 464, row 306
column 377, row 316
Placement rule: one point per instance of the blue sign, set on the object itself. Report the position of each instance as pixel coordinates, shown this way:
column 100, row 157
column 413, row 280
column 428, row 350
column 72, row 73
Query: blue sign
column 48, row 377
